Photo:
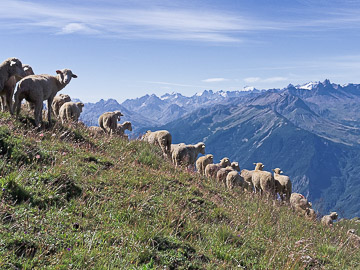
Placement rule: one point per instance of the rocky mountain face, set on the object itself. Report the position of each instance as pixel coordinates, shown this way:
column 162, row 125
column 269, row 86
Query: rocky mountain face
column 312, row 132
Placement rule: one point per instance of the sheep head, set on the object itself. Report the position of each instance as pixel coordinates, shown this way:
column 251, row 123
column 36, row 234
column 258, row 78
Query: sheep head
column 80, row 105
column 118, row 114
column 28, row 70
column 65, row 75
column 333, row 215
column 128, row 125
column 277, row 170
column 201, row 147
column 235, row 166
column 210, row 157
column 225, row 162
column 15, row 67
column 259, row 166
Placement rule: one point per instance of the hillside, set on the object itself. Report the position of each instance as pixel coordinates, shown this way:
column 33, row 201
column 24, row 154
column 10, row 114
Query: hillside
column 69, row 201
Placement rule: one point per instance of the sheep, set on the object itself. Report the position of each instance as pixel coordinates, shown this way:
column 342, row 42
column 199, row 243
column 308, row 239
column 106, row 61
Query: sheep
column 282, row 185
column 10, row 67
column 37, row 88
column 212, row 169
column 96, row 131
column 327, row 220
column 353, row 238
column 233, row 179
column 300, row 204
column 108, row 121
column 58, row 101
column 263, row 181
column 247, row 176
column 70, row 111
column 187, row 154
column 161, row 138
column 8, row 91
column 202, row 161
column 120, row 129
column 223, row 172
column 310, row 214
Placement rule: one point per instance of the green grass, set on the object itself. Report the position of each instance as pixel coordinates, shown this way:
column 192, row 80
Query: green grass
column 69, row 201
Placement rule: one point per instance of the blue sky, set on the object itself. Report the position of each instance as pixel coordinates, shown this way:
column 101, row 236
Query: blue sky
column 126, row 49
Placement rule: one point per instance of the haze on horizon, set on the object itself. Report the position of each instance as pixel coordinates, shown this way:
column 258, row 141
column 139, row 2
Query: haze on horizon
column 126, row 49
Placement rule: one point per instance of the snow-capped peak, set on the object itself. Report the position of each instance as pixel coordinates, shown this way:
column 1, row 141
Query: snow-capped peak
column 308, row 86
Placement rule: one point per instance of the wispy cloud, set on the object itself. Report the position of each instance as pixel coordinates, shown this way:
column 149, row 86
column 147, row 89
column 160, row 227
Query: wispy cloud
column 215, row 80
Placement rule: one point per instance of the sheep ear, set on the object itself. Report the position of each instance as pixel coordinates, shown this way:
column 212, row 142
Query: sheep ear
column 74, row 76
column 203, row 146
column 254, row 163
column 26, row 68
column 12, row 63
column 58, row 72
column 273, row 170
column 281, row 172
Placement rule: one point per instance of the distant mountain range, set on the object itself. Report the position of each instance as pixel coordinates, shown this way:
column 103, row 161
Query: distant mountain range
column 311, row 131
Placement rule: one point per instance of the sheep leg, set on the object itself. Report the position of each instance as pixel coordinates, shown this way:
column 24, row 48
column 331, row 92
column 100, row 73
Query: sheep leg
column 9, row 101
column 3, row 103
column 38, row 112
column 50, row 100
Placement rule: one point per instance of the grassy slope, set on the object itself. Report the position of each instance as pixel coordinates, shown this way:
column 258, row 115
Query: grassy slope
column 72, row 202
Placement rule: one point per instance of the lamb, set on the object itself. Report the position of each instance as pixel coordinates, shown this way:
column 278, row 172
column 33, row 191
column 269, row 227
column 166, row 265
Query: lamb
column 161, row 138
column 58, row 101
column 282, row 185
column 37, row 88
column 187, row 154
column 108, row 121
column 120, row 129
column 8, row 91
column 223, row 172
column 328, row 219
column 263, row 181
column 10, row 67
column 70, row 111
column 96, row 131
column 212, row 169
column 300, row 204
column 202, row 161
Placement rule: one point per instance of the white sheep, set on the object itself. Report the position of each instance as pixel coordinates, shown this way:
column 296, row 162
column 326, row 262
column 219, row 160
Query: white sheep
column 8, row 91
column 212, row 169
column 202, row 162
column 187, row 154
column 353, row 238
column 70, row 111
column 161, row 138
column 327, row 220
column 263, row 181
column 58, row 101
column 223, row 172
column 283, row 185
column 37, row 88
column 108, row 121
column 10, row 67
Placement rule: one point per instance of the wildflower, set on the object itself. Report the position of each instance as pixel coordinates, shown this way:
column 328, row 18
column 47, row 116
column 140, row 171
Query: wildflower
column 3, row 189
column 37, row 156
column 68, row 249
column 25, row 232
column 63, row 153
column 41, row 135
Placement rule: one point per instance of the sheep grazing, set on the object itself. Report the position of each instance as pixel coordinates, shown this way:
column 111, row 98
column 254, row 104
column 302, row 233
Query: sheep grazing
column 300, row 204
column 282, row 185
column 187, row 154
column 96, row 131
column 10, row 67
column 212, row 169
column 8, row 91
column 108, row 121
column 120, row 129
column 70, row 111
column 37, row 88
column 201, row 163
column 263, row 181
column 328, row 219
column 58, row 101
column 161, row 138
column 233, row 179
column 353, row 238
